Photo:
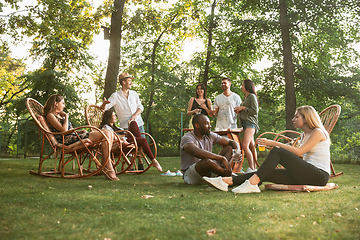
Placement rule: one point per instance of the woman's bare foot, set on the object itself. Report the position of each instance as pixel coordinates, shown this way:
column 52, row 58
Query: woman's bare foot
column 110, row 174
column 157, row 165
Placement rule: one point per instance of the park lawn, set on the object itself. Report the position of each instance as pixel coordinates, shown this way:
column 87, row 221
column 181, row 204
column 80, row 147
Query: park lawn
column 34, row 207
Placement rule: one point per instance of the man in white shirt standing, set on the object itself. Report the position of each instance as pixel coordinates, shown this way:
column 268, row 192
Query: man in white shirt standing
column 126, row 103
column 225, row 104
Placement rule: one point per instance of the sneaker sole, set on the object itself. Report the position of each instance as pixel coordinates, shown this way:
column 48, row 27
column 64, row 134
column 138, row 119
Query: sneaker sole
column 217, row 187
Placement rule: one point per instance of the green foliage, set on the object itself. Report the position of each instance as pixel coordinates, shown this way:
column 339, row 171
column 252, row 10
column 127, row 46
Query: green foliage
column 322, row 33
column 345, row 136
column 326, row 66
column 60, row 31
column 10, row 71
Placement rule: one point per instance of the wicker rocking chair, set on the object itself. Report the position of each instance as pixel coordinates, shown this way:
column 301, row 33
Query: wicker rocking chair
column 78, row 160
column 328, row 116
column 124, row 155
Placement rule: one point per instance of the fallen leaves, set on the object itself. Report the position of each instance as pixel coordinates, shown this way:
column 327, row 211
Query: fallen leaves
column 337, row 214
column 211, row 232
column 146, row 196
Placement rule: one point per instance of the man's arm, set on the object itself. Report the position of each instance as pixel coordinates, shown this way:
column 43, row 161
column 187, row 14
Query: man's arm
column 216, row 107
column 192, row 149
column 105, row 101
column 235, row 146
column 137, row 113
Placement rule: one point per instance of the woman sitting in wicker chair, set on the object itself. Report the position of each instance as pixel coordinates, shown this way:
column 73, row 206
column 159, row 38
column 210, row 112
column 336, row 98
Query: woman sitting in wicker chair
column 312, row 169
column 108, row 122
column 58, row 121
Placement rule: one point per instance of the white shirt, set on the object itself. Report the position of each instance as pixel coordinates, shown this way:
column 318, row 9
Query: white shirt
column 126, row 107
column 319, row 155
column 226, row 117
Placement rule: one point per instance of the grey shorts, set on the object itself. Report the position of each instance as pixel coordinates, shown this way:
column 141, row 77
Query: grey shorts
column 192, row 177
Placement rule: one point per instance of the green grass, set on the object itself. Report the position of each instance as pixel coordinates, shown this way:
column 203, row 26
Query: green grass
column 33, row 207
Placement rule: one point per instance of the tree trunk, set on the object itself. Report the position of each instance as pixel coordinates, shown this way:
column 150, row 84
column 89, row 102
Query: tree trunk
column 153, row 68
column 290, row 98
column 209, row 45
column 152, row 83
column 114, row 50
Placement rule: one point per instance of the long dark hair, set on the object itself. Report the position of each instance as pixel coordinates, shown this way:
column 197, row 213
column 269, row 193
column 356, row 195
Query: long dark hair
column 202, row 86
column 50, row 103
column 106, row 120
column 250, row 86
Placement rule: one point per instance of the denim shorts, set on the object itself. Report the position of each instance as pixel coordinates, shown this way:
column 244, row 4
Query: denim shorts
column 247, row 124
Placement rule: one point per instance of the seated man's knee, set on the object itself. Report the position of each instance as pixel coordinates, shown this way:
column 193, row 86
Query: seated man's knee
column 227, row 148
column 206, row 161
column 205, row 164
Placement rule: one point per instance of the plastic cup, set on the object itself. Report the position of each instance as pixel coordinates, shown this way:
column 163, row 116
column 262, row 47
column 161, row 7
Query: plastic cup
column 261, row 148
column 213, row 109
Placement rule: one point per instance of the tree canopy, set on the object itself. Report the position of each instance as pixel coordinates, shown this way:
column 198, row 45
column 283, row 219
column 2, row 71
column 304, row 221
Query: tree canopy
column 310, row 44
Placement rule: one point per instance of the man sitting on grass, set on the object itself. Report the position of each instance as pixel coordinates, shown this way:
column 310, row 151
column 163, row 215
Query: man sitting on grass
column 197, row 159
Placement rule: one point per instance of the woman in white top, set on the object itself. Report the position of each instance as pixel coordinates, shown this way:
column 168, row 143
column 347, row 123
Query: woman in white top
column 312, row 169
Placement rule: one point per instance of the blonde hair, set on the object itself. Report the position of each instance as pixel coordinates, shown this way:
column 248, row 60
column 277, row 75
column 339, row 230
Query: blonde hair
column 312, row 118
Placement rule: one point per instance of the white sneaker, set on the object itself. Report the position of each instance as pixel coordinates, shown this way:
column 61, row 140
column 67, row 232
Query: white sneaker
column 249, row 170
column 179, row 173
column 217, row 183
column 168, row 174
column 246, row 187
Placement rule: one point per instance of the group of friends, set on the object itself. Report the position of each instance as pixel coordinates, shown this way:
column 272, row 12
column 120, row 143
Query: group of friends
column 128, row 109
column 308, row 164
column 227, row 108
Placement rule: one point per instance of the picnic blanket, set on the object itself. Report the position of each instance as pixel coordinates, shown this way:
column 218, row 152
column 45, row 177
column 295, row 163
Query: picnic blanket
column 300, row 188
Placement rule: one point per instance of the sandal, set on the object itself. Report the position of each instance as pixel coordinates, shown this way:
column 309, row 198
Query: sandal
column 106, row 171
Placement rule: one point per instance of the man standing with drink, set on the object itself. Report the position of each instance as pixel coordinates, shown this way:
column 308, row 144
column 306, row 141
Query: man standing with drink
column 225, row 104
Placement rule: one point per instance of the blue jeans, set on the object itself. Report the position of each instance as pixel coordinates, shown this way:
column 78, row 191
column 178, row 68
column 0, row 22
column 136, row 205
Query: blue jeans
column 246, row 124
column 141, row 128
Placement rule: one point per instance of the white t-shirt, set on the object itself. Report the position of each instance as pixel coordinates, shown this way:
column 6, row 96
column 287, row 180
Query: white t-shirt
column 226, row 117
column 319, row 155
column 126, row 107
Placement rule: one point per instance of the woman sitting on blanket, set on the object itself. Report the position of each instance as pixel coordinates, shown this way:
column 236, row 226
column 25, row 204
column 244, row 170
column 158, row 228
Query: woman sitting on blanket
column 312, row 169
column 58, row 121
column 108, row 122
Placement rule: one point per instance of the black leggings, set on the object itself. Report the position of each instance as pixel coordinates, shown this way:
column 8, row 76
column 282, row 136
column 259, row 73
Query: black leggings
column 296, row 172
